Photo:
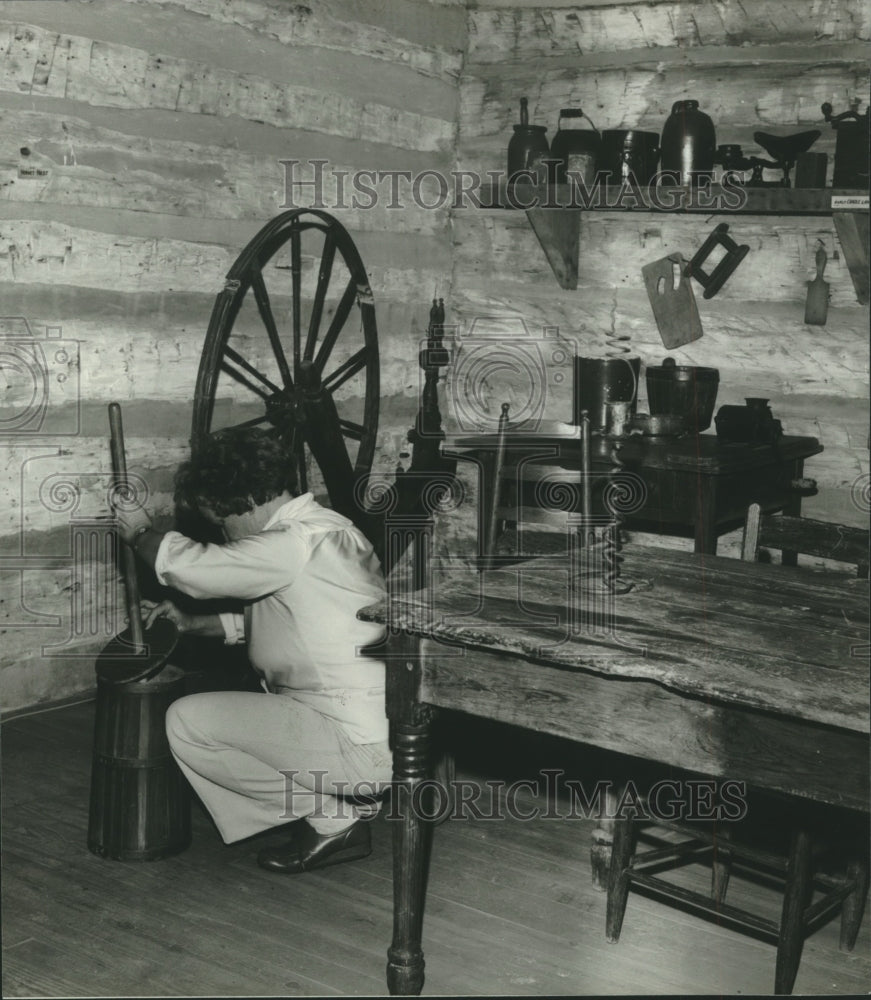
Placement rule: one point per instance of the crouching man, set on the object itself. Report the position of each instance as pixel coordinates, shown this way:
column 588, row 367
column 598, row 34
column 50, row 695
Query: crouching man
column 301, row 572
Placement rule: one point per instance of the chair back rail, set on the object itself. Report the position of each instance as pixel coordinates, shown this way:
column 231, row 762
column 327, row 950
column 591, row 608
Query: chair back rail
column 824, row 539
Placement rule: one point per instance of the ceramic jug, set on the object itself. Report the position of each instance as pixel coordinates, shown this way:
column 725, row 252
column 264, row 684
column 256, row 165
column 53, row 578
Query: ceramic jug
column 688, row 145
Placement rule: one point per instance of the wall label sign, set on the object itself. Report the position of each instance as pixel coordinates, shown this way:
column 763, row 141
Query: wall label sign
column 32, row 172
column 849, row 201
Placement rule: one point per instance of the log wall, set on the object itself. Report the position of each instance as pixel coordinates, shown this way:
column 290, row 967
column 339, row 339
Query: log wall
column 140, row 149
column 763, row 66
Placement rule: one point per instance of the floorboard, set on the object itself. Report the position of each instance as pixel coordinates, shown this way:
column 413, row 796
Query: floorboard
column 511, row 908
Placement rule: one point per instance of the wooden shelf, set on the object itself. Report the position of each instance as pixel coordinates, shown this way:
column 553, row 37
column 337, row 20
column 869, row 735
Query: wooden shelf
column 679, row 200
column 554, row 212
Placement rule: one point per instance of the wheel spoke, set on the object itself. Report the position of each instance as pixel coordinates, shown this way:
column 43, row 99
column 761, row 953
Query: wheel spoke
column 350, row 368
column 262, row 298
column 324, row 275
column 240, row 378
column 253, row 422
column 236, row 357
column 335, row 327
column 296, row 290
column 352, row 429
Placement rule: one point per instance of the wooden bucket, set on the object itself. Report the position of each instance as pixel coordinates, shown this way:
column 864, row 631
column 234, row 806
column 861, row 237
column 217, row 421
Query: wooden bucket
column 140, row 801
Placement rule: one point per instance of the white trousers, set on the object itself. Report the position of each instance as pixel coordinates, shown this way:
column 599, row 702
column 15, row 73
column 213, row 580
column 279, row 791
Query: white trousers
column 261, row 760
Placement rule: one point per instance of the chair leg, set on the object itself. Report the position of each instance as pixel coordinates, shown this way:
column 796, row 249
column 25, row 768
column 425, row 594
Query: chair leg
column 721, row 866
column 854, row 904
column 602, row 842
column 618, row 878
column 792, row 925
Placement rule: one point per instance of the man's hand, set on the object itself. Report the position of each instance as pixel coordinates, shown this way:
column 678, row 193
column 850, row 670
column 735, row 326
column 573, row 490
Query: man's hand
column 204, row 625
column 166, row 609
column 131, row 522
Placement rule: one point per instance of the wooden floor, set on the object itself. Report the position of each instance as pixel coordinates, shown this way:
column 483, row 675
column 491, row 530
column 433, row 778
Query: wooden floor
column 510, row 909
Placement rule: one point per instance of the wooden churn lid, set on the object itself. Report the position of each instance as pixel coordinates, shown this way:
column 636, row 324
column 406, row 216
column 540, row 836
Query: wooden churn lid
column 122, row 662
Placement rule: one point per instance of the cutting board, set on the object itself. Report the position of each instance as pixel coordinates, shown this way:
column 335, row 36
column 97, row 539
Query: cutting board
column 672, row 300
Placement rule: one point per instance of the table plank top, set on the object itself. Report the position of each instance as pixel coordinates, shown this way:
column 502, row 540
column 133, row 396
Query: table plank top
column 781, row 639
column 688, row 452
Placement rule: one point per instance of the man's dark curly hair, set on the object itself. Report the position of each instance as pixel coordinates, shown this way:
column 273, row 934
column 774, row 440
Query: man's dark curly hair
column 233, row 471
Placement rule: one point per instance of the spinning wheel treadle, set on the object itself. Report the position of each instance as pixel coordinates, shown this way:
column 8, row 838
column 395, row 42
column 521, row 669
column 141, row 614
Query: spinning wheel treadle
column 297, row 356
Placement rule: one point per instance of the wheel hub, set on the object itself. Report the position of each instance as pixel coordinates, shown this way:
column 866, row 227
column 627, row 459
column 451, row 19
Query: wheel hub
column 284, row 410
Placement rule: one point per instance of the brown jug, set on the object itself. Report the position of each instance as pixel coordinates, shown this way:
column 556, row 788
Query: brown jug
column 689, row 143
column 625, row 152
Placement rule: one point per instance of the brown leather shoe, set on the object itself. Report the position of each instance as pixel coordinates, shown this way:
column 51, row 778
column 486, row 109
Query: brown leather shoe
column 308, row 850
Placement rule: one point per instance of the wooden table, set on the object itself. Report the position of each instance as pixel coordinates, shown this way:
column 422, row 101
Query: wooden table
column 692, row 482
column 736, row 670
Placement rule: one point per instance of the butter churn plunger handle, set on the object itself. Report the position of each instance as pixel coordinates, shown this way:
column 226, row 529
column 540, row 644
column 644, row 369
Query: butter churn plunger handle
column 128, row 556
column 493, row 520
column 586, row 480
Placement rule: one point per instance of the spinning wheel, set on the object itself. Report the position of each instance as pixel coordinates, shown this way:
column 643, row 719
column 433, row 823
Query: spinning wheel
column 297, row 356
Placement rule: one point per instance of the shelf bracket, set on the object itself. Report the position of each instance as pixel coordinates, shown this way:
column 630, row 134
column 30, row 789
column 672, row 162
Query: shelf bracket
column 558, row 232
column 852, row 228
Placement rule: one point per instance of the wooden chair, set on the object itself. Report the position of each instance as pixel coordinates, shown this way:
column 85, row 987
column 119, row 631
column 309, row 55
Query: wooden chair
column 838, row 542
column 517, row 529
column 630, row 868
column 528, row 499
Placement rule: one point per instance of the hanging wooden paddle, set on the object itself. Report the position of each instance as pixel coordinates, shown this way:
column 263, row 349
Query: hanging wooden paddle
column 816, row 309
column 672, row 300
column 134, row 654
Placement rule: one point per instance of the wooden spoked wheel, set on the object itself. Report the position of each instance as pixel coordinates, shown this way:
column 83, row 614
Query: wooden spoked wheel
column 292, row 345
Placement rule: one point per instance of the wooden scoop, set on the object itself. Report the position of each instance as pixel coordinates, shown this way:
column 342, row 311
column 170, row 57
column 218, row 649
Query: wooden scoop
column 816, row 307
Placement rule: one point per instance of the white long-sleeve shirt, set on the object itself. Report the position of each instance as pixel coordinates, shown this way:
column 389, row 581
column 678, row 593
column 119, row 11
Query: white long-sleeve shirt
column 302, row 579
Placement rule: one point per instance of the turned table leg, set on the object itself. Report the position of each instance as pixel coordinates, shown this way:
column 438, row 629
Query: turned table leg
column 411, row 753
